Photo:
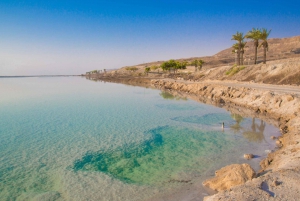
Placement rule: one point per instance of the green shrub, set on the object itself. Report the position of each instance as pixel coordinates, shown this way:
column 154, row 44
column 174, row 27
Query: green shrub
column 133, row 69
column 234, row 70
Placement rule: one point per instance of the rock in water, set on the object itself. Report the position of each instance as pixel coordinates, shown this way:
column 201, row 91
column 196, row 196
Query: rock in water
column 248, row 156
column 278, row 143
column 229, row 176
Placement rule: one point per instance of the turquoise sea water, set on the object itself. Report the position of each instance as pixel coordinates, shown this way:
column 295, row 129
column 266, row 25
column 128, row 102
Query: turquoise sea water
column 67, row 138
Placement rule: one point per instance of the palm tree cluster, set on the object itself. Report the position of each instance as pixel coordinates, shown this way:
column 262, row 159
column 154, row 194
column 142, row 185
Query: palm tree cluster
column 255, row 35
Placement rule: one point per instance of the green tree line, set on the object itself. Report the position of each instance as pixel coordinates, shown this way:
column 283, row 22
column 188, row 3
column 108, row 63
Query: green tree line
column 174, row 66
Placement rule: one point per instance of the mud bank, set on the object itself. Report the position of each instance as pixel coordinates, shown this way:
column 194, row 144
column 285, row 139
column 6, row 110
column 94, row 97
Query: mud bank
column 279, row 177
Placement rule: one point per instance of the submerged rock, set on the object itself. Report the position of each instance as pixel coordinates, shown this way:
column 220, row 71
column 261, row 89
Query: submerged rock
column 273, row 138
column 229, row 176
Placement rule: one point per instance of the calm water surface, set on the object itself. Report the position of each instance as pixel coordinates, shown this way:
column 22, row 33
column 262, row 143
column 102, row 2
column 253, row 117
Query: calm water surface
column 68, row 138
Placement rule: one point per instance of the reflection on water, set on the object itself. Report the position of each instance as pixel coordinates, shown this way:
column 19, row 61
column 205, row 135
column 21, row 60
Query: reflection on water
column 255, row 133
column 238, row 119
column 211, row 119
column 169, row 96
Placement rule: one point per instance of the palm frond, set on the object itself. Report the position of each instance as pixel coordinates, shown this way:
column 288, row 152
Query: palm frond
column 238, row 36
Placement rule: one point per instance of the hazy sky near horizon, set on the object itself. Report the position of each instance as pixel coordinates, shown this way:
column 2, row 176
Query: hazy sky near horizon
column 75, row 36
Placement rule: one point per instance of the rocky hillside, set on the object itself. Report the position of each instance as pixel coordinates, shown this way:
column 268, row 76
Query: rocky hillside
column 283, row 64
column 279, row 48
column 283, row 71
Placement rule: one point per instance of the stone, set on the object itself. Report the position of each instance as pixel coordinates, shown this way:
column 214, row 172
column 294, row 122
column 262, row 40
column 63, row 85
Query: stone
column 229, row 176
column 264, row 163
column 278, row 143
column 268, row 151
column 288, row 97
column 248, row 156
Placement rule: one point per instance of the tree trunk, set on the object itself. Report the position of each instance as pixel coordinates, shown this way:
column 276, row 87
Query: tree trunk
column 242, row 57
column 239, row 53
column 265, row 54
column 238, row 57
column 255, row 51
column 255, row 55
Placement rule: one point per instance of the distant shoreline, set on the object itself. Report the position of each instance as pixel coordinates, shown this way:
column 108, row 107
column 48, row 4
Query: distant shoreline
column 26, row 76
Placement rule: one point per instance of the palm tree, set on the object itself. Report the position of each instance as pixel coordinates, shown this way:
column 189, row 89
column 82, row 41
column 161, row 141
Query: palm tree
column 242, row 51
column 264, row 36
column 236, row 48
column 239, row 38
column 254, row 35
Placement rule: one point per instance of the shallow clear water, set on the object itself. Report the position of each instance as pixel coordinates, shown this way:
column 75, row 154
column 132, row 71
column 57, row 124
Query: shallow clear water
column 67, row 138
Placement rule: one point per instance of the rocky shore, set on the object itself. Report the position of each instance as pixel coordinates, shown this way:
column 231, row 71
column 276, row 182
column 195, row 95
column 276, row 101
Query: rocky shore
column 279, row 177
column 247, row 94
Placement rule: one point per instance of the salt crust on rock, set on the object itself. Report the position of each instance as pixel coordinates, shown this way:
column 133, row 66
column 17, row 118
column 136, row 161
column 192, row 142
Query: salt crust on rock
column 229, row 176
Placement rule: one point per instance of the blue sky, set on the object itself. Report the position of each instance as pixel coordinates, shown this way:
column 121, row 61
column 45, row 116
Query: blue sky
column 72, row 37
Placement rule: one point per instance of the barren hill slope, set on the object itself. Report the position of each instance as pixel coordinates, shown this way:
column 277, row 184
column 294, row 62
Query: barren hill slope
column 283, row 66
column 279, row 48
